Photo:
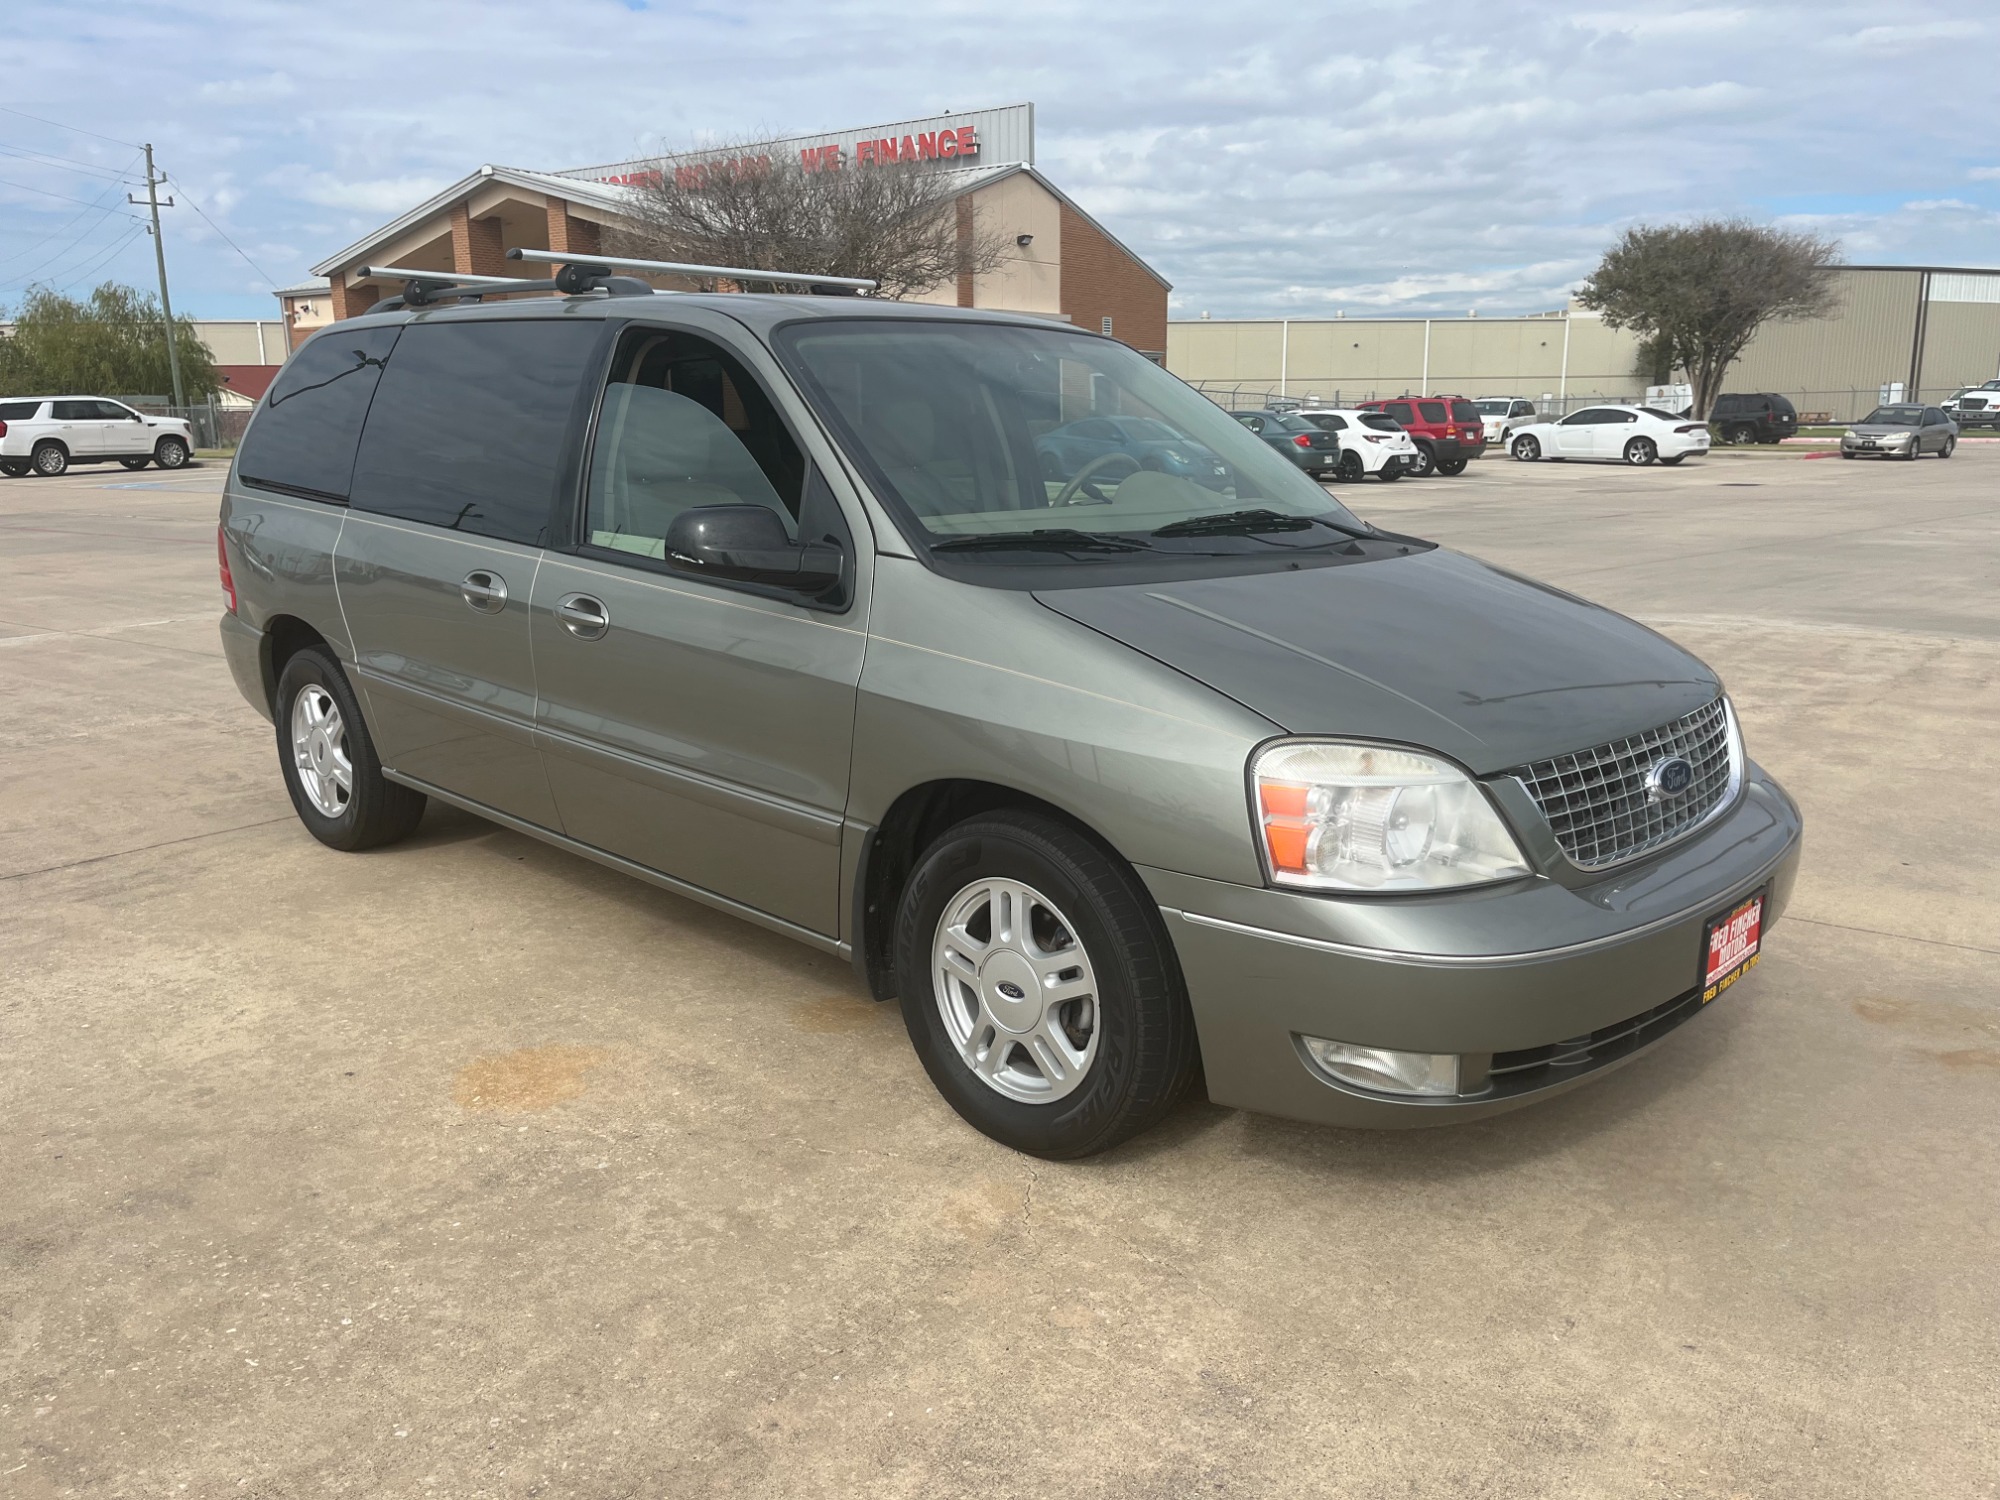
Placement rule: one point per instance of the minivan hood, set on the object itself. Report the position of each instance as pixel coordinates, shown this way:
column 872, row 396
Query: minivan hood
column 1434, row 649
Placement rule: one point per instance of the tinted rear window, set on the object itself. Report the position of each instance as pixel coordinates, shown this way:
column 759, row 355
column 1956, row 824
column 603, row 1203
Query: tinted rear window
column 468, row 429
column 1381, row 423
column 19, row 411
column 1464, row 411
column 1432, row 411
column 303, row 438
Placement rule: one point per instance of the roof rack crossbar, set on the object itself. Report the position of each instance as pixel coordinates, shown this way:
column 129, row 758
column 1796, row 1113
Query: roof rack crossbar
column 687, row 268
column 421, row 288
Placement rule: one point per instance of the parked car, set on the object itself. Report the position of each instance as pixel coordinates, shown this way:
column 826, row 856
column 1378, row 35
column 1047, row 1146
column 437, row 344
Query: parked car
column 1905, row 430
column 1761, row 417
column 1446, row 429
column 1315, row 451
column 1370, row 443
column 1637, row 435
column 1976, row 406
column 1500, row 415
column 1117, row 446
column 750, row 597
column 46, row 434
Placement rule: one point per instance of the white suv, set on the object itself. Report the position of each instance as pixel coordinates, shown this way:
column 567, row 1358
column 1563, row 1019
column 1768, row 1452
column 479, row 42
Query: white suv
column 46, row 434
column 1370, row 443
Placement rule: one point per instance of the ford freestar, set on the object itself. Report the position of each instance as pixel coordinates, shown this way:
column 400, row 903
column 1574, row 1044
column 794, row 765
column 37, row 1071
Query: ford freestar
column 1115, row 774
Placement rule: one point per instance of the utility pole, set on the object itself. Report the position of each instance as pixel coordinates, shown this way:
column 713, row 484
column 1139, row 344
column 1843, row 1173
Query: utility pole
column 153, row 182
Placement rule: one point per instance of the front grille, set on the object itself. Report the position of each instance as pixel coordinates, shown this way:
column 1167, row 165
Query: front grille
column 1599, row 805
column 1532, row 1068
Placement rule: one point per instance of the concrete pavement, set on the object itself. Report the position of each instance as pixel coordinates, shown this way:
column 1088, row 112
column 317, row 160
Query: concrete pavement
column 469, row 1168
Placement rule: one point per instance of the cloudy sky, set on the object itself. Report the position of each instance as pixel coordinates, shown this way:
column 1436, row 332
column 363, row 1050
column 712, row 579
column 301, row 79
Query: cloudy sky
column 1269, row 160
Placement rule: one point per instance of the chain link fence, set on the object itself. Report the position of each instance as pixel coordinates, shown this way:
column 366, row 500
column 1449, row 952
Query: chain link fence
column 215, row 425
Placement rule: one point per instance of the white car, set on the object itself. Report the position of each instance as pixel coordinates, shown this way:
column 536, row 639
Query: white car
column 1637, row 435
column 1502, row 416
column 1370, row 443
column 46, row 434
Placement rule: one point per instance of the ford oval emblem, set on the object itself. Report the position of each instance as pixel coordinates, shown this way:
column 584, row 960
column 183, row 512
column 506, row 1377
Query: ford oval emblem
column 1012, row 991
column 1669, row 777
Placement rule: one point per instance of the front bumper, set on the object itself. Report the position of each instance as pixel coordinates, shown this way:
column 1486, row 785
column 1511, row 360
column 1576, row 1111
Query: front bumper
column 1878, row 448
column 1556, row 985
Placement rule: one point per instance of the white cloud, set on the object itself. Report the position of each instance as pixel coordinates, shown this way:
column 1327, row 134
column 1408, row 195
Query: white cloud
column 1337, row 158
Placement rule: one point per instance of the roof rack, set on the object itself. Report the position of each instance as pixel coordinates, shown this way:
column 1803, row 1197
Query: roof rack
column 422, row 288
column 600, row 264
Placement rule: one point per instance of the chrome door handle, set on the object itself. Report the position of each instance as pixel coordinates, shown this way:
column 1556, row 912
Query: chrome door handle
column 484, row 591
column 582, row 616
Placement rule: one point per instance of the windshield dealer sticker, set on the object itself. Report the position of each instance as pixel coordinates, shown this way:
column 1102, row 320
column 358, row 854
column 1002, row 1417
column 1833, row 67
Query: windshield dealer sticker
column 1732, row 946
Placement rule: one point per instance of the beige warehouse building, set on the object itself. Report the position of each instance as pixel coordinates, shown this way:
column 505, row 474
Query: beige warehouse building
column 1922, row 331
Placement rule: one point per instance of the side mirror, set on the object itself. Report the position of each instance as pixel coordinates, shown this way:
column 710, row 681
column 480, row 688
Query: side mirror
column 748, row 543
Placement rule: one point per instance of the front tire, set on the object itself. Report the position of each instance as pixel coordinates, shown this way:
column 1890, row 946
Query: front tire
column 329, row 762
column 50, row 460
column 170, row 453
column 1039, row 987
column 1641, row 452
column 1526, row 450
column 1950, row 447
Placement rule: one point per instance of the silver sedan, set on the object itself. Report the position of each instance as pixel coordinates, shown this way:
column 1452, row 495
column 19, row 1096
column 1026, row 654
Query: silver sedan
column 1901, row 431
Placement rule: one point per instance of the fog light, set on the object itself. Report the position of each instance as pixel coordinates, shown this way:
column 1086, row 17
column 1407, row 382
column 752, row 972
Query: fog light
column 1387, row 1072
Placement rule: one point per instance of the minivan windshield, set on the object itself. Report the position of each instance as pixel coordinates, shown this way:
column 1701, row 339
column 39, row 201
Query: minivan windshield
column 1895, row 416
column 999, row 445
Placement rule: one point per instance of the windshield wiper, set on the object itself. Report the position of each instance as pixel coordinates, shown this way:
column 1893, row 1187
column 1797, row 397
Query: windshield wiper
column 1250, row 522
column 1042, row 538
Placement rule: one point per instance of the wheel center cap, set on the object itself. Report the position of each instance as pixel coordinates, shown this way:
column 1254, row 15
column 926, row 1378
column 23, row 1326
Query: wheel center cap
column 1013, row 996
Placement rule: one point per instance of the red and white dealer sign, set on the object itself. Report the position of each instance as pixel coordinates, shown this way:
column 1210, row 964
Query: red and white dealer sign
column 1733, row 944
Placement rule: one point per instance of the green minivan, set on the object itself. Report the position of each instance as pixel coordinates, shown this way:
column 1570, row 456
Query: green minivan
column 1116, row 779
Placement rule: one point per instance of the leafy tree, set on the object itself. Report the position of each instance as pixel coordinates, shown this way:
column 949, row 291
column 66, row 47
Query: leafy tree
column 1700, row 291
column 115, row 344
column 898, row 224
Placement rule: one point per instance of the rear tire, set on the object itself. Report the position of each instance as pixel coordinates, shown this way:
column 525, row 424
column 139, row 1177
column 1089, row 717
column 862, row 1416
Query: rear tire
column 1113, row 1055
column 1526, row 450
column 329, row 761
column 1350, row 469
column 1741, row 435
column 1641, row 452
column 50, row 460
column 170, row 453
column 1426, row 464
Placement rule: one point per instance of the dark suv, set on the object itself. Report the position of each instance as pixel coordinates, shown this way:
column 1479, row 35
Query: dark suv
column 1760, row 417
column 1448, row 430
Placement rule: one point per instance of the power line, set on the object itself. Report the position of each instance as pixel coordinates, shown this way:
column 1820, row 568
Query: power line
column 83, row 274
column 102, row 208
column 225, row 237
column 49, row 159
column 73, row 129
column 26, row 188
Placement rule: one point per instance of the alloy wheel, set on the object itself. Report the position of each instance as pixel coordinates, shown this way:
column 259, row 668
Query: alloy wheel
column 1016, row 991
column 319, row 751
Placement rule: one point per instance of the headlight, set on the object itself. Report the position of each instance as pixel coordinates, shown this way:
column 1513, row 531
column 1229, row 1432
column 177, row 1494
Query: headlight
column 1337, row 817
column 1851, row 433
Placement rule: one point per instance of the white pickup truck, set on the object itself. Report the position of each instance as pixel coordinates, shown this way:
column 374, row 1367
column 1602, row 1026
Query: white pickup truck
column 1978, row 406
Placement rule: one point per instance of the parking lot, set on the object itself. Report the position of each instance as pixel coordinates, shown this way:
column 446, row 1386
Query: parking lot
column 468, row 1167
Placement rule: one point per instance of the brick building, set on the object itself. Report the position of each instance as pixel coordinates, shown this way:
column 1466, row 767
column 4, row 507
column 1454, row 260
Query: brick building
column 1062, row 264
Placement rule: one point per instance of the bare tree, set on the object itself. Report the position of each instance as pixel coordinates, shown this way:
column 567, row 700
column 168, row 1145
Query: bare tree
column 1702, row 290
column 901, row 225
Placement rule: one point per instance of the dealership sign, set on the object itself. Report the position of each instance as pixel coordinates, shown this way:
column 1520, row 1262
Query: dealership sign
column 980, row 137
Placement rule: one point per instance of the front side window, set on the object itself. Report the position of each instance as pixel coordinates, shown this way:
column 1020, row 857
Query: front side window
column 1590, row 416
column 1933, row 417
column 303, row 438
column 1523, row 409
column 956, row 427
column 468, row 428
column 111, row 411
column 683, row 425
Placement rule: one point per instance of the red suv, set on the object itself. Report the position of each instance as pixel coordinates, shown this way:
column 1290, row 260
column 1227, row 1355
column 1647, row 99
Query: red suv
column 1446, row 429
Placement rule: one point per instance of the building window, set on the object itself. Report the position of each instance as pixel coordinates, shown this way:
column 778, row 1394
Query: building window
column 1107, row 323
